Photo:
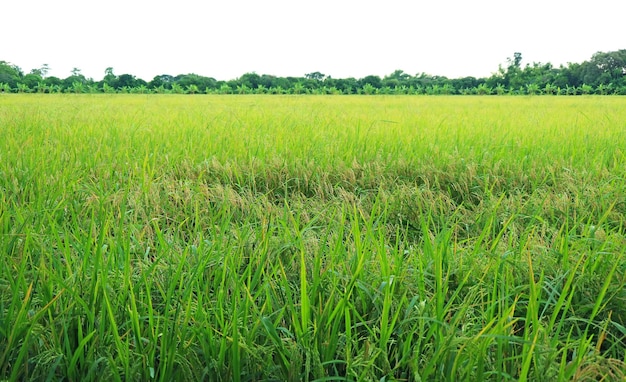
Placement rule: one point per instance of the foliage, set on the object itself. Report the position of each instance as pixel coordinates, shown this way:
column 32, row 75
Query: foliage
column 604, row 74
column 10, row 74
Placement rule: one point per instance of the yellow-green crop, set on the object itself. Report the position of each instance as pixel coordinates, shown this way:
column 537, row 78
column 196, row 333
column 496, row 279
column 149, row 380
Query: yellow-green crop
column 312, row 237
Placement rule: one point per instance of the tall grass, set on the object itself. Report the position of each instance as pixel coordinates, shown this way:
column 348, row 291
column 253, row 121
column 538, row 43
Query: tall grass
column 312, row 238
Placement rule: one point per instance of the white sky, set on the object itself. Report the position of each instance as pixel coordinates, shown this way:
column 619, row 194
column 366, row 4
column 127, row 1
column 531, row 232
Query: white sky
column 342, row 38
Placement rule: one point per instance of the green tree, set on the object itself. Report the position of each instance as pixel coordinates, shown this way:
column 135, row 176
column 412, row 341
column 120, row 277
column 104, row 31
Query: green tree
column 243, row 89
column 603, row 89
column 586, row 89
column 225, row 89
column 483, row 89
column 401, row 89
column 374, row 81
column 108, row 89
column 276, row 90
column 92, row 88
column 447, row 89
column 23, row 88
column 391, row 83
column 160, row 89
column 142, row 89
column 42, row 87
column 419, row 89
column 128, row 80
column 177, row 89
column 53, row 81
column 164, row 80
column 549, row 89
column 299, row 88
column 42, row 71
column 571, row 90
column 511, row 76
column 10, row 74
column 77, row 87
column 609, row 67
column 465, row 82
column 110, row 78
column 77, row 76
column 316, row 76
column 31, row 80
column 387, row 90
column 434, row 89
column 347, row 85
column 516, row 61
column 334, row 91
column 250, row 80
column 532, row 89
column 399, row 75
column 200, row 82
column 369, row 89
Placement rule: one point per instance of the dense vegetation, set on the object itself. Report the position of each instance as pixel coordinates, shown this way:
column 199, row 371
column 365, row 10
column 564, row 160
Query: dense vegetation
column 312, row 238
column 604, row 73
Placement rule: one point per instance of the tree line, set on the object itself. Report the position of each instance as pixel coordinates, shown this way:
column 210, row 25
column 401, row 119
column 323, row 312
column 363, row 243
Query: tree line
column 604, row 73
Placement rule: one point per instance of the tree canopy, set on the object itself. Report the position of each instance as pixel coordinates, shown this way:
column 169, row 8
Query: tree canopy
column 603, row 73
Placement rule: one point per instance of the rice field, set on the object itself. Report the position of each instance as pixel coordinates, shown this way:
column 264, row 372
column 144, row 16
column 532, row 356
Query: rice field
column 319, row 238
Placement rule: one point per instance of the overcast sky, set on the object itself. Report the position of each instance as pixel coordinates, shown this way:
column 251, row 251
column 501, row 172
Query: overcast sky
column 342, row 38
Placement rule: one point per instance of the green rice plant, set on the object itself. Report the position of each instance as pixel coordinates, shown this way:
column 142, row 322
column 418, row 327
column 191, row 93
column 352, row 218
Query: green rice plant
column 311, row 238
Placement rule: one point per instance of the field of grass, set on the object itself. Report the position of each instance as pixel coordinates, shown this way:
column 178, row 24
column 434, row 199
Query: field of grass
column 312, row 238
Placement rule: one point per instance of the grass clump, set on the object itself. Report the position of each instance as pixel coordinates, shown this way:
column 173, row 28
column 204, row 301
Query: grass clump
column 311, row 238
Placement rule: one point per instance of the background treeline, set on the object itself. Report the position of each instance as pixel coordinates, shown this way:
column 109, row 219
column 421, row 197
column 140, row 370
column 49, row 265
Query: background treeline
column 604, row 73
